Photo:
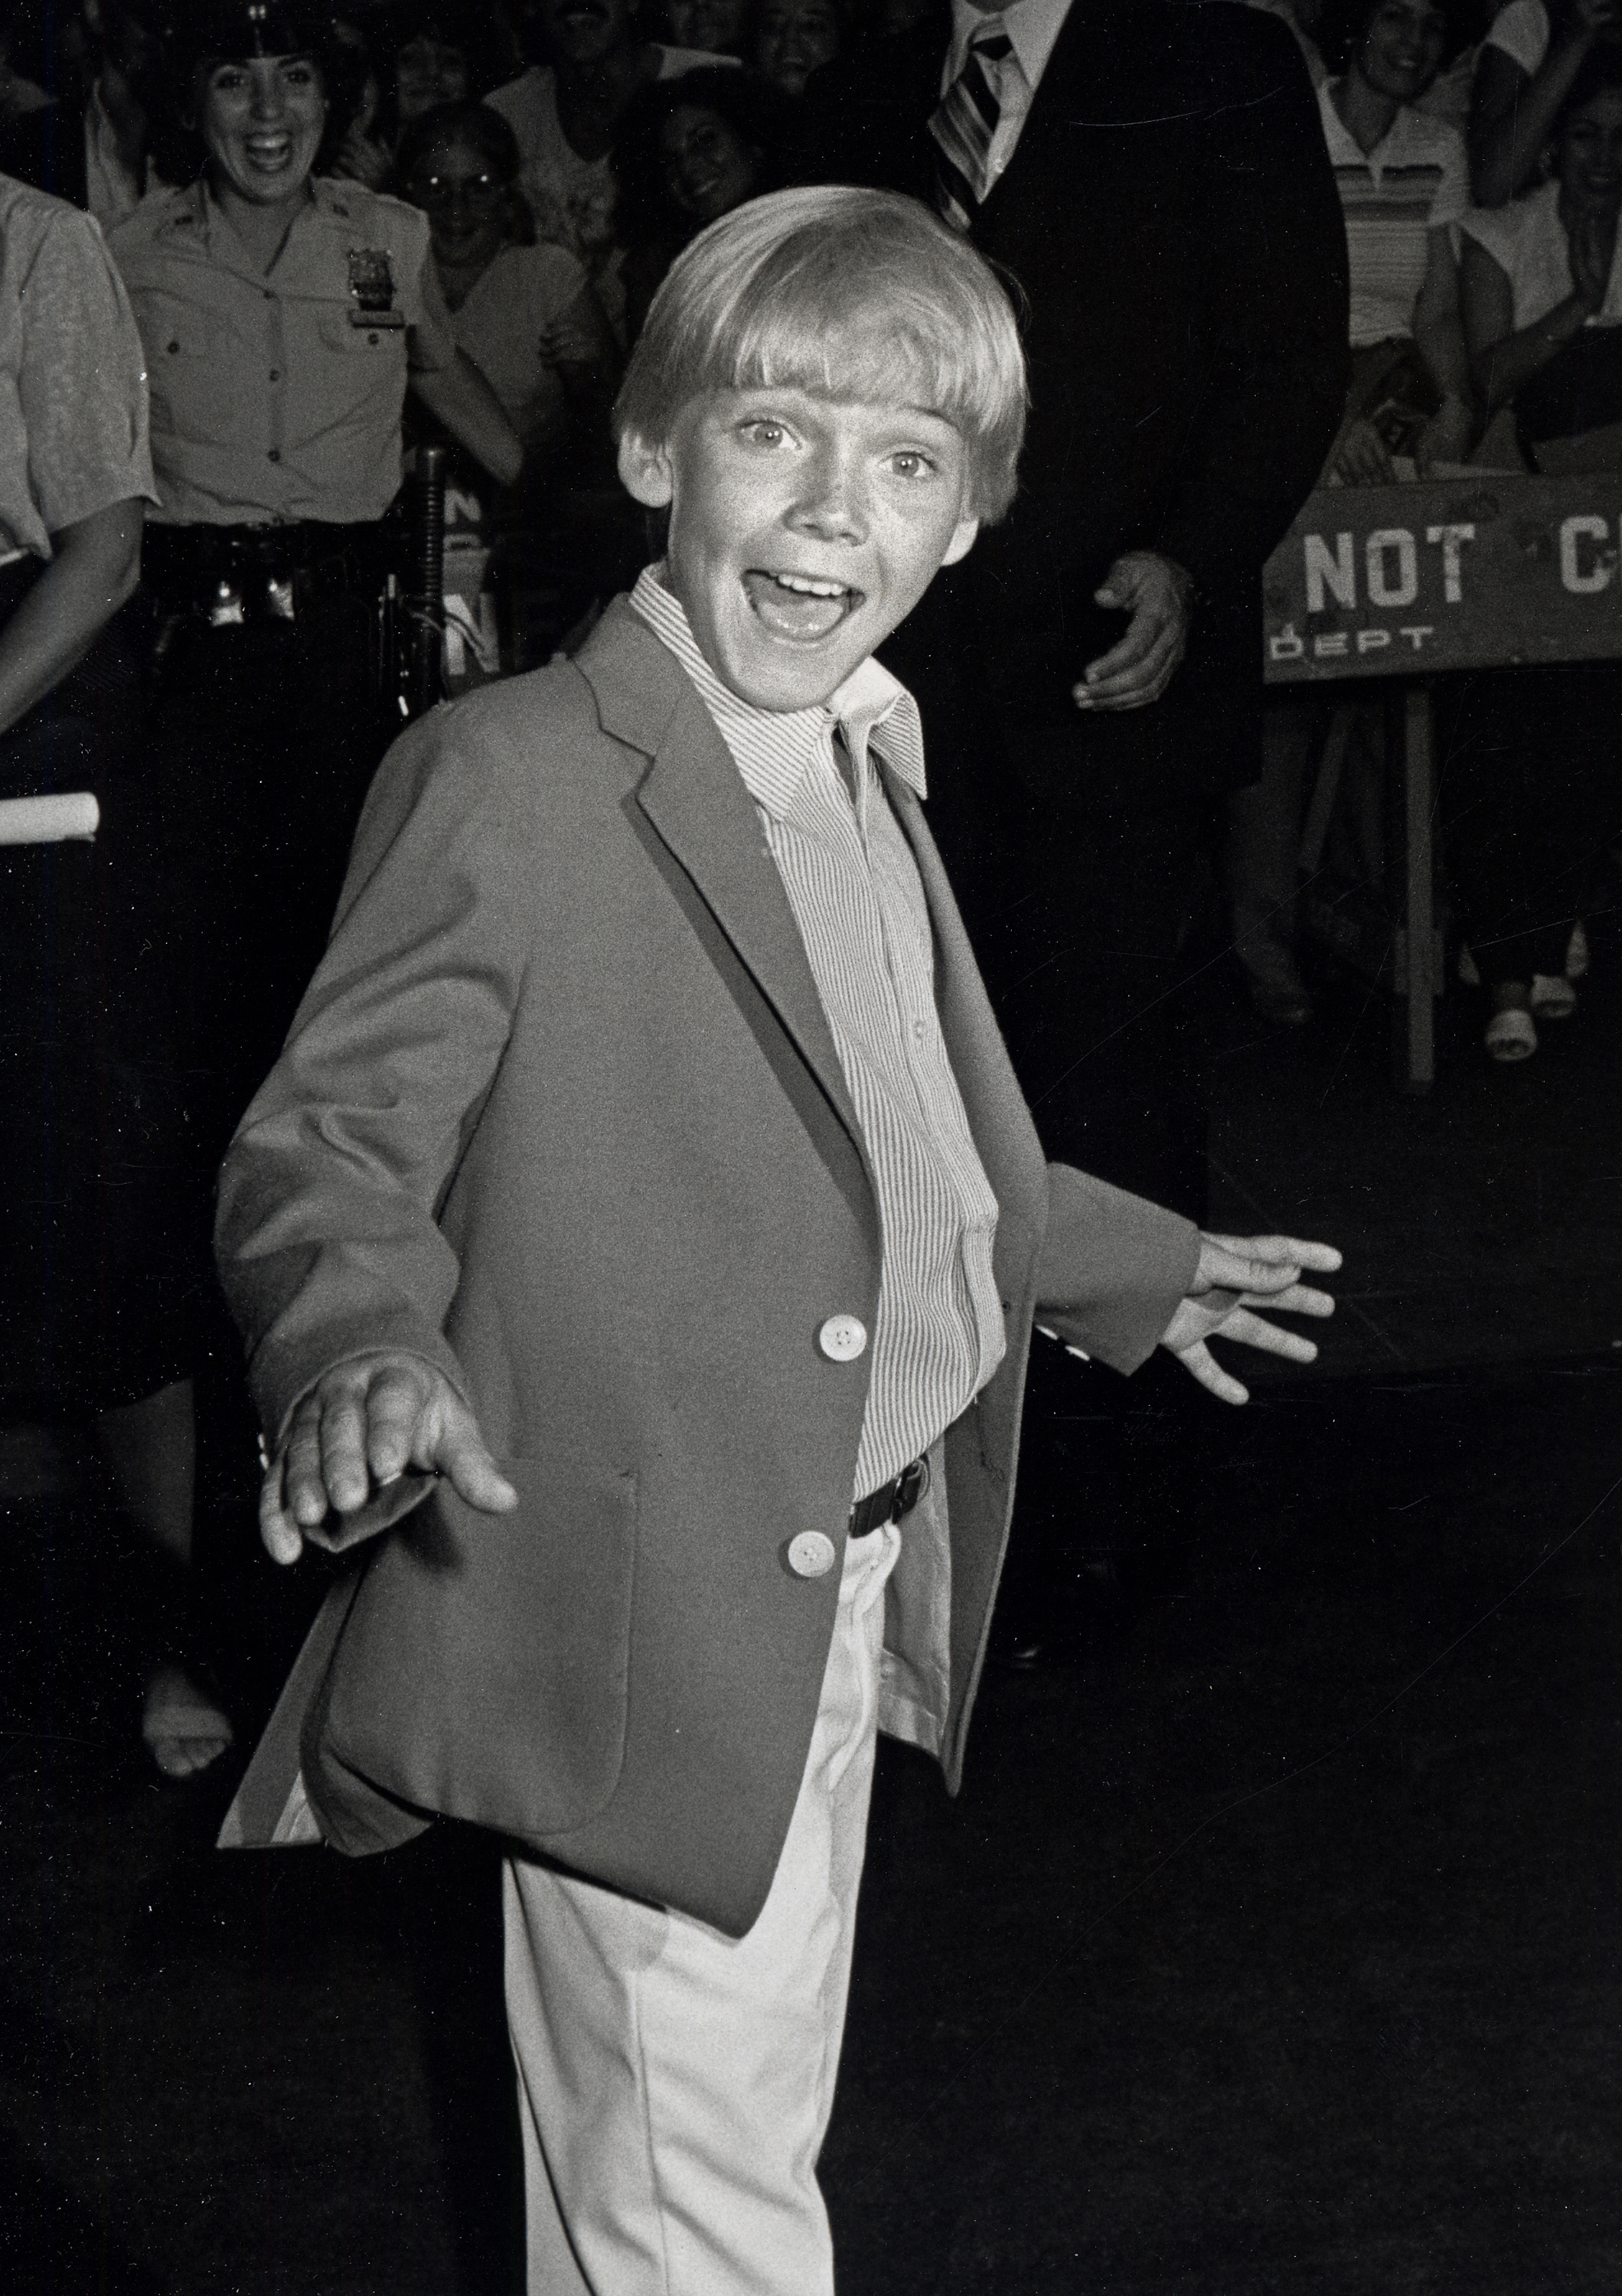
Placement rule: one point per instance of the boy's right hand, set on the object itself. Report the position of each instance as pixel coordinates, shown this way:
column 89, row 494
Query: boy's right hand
column 356, row 1432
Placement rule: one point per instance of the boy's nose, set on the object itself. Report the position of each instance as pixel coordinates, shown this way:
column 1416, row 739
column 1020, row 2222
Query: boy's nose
column 833, row 503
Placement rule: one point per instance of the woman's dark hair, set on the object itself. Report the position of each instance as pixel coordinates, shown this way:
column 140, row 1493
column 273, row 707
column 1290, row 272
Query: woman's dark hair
column 470, row 25
column 490, row 136
column 1598, row 74
column 1344, row 22
column 203, row 33
column 758, row 113
column 473, row 123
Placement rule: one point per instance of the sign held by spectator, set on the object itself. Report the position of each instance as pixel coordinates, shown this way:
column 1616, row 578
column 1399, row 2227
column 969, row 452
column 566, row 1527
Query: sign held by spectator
column 1484, row 570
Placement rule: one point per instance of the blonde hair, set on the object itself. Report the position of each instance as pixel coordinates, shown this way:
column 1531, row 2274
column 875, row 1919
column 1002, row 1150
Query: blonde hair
column 846, row 294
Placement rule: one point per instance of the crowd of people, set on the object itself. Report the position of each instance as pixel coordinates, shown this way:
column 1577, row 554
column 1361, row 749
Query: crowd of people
column 1476, row 158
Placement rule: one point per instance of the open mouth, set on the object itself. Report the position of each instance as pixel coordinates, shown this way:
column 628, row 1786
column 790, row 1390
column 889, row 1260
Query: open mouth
column 804, row 607
column 269, row 152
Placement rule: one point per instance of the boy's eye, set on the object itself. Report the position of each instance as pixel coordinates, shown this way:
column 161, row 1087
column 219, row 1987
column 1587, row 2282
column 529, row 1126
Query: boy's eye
column 909, row 463
column 763, row 433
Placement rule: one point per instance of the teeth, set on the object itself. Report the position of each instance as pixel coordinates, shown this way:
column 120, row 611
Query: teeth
column 808, row 588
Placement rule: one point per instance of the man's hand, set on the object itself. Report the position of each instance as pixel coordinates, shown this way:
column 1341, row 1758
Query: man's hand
column 1238, row 1273
column 1155, row 592
column 356, row 1432
column 1359, row 457
column 1447, row 438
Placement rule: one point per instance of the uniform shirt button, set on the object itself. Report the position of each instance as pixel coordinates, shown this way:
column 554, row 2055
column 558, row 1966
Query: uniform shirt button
column 811, row 1554
column 275, row 454
column 842, row 1338
column 275, row 374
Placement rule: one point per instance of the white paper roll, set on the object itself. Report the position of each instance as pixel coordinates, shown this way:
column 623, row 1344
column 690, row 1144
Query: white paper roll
column 47, row 820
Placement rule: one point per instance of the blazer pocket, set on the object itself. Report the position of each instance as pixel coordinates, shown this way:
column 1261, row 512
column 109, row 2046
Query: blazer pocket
column 483, row 1671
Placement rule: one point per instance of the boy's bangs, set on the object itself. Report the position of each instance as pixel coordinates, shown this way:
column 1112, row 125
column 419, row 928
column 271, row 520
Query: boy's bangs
column 858, row 357
column 845, row 294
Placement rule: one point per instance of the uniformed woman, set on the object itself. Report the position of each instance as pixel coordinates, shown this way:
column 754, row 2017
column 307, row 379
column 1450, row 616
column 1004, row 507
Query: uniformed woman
column 282, row 316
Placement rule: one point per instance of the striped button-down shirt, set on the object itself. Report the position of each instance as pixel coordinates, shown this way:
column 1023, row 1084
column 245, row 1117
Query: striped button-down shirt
column 855, row 891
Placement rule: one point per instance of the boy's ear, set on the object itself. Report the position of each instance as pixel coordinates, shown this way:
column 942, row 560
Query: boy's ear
column 961, row 542
column 645, row 472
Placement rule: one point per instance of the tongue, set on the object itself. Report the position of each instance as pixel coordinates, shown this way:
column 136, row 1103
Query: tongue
column 794, row 613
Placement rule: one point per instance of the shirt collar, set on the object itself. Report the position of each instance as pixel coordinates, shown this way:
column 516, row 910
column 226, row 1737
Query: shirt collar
column 1032, row 26
column 199, row 209
column 1344, row 149
column 772, row 747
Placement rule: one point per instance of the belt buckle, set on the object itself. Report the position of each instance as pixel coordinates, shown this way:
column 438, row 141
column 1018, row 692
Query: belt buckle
column 224, row 609
column 911, row 1485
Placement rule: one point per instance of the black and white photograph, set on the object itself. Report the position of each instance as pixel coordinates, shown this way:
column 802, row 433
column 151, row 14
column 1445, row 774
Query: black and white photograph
column 811, row 1147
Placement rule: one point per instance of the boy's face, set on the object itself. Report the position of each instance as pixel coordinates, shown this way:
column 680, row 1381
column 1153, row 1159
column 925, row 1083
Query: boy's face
column 802, row 529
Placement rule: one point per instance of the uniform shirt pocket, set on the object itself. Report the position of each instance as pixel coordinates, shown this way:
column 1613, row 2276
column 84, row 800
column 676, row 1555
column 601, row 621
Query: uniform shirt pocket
column 196, row 372
column 362, row 375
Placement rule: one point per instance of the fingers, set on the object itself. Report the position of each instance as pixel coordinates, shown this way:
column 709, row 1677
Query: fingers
column 1298, row 1300
column 1224, row 1258
column 459, row 1453
column 1203, row 1364
column 356, row 1432
column 1139, row 669
column 278, row 1532
column 1269, row 1338
column 357, row 1429
column 1362, row 460
column 367, row 1427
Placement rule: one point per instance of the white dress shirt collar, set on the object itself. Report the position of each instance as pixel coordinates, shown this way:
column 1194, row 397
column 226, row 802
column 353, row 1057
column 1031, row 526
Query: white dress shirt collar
column 772, row 747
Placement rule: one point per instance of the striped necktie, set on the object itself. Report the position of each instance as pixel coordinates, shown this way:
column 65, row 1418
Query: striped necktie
column 965, row 122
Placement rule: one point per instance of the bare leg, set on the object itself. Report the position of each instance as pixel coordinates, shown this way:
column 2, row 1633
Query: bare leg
column 151, row 1448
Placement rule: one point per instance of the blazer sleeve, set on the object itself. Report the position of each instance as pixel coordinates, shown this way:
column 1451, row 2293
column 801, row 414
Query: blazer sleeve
column 326, row 1238
column 1275, row 260
column 1112, row 1268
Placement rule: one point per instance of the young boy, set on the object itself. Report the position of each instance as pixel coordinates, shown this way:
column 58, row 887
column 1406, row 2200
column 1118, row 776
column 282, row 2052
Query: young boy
column 645, row 1164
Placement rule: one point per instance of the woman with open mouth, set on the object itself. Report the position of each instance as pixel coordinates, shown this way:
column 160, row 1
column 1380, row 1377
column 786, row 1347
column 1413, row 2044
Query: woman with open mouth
column 282, row 316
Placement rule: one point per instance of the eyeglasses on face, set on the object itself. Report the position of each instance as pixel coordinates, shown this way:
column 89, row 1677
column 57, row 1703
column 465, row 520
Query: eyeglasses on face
column 443, row 191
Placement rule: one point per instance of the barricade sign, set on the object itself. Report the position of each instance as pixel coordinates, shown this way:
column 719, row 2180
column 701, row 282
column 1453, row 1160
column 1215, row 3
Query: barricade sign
column 1481, row 571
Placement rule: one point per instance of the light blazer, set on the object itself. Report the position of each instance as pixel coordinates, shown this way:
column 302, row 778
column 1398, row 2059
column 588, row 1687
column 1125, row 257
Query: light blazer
column 561, row 1112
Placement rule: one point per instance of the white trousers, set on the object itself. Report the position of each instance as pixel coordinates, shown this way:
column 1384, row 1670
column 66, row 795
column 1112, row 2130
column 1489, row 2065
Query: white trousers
column 675, row 2085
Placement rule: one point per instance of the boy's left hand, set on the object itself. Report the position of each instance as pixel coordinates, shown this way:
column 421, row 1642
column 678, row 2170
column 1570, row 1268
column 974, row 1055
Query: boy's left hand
column 1237, row 1274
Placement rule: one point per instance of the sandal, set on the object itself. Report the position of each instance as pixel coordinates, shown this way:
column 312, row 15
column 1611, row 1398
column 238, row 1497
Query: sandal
column 1511, row 1035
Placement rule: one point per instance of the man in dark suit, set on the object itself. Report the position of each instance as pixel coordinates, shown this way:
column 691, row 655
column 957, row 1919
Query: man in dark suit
column 1154, row 177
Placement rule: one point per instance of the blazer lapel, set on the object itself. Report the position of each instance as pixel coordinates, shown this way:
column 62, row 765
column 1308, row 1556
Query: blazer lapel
column 696, row 801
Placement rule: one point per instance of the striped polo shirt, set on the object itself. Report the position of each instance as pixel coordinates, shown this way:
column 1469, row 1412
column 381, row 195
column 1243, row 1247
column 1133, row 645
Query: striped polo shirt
column 1416, row 179
column 855, row 891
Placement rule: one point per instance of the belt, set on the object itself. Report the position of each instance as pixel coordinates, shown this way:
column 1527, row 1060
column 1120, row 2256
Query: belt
column 891, row 1500
column 229, row 575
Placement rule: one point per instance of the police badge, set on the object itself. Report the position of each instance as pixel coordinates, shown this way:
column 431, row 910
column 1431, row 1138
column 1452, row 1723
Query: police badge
column 371, row 289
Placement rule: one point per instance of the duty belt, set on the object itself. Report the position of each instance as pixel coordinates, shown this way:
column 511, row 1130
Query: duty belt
column 228, row 575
